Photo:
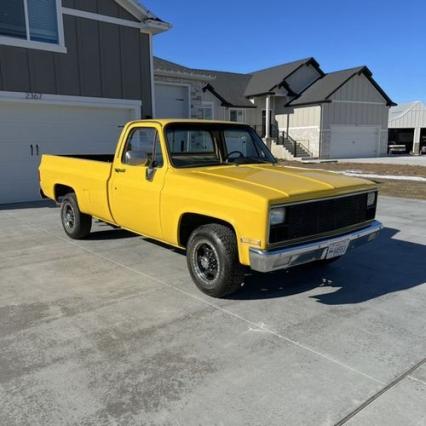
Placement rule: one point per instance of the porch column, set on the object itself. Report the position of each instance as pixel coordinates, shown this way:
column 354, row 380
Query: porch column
column 416, row 141
column 268, row 118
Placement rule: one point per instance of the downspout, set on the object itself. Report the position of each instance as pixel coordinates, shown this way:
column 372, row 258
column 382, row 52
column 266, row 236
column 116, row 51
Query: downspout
column 151, row 61
column 267, row 117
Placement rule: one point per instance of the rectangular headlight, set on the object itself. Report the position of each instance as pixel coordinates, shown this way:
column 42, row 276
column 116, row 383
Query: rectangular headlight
column 277, row 215
column 371, row 199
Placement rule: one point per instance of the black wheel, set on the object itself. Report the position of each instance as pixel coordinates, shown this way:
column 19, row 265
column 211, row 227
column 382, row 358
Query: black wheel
column 212, row 257
column 76, row 225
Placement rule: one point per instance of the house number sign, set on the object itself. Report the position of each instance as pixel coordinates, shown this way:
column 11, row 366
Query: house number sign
column 33, row 96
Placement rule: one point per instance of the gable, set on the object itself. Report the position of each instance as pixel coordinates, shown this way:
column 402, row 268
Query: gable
column 303, row 77
column 264, row 81
column 359, row 88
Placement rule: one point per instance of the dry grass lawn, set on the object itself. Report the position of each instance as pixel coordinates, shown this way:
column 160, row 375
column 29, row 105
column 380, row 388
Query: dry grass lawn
column 393, row 188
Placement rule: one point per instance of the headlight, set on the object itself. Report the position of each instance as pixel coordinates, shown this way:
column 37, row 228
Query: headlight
column 277, row 215
column 371, row 199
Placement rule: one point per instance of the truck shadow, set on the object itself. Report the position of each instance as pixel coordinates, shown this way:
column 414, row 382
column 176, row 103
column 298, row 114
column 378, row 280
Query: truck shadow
column 111, row 234
column 29, row 205
column 384, row 266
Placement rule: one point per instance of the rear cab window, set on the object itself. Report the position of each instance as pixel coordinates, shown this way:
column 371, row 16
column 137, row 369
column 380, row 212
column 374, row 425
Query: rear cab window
column 190, row 147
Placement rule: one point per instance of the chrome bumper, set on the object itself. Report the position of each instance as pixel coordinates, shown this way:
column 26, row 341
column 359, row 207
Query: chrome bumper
column 283, row 258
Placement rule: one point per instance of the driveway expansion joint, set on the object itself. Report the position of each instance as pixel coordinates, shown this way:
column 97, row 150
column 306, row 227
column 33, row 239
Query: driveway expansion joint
column 390, row 385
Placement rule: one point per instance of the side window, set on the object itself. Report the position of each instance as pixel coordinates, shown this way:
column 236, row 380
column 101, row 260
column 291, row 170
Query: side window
column 145, row 140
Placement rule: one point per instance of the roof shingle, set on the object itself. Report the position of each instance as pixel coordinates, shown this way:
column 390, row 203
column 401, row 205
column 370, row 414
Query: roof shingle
column 263, row 81
column 322, row 89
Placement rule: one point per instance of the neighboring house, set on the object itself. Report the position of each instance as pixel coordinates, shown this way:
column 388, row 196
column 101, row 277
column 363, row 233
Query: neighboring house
column 407, row 126
column 71, row 73
column 298, row 107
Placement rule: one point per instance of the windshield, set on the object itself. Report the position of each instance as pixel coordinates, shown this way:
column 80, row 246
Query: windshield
column 198, row 145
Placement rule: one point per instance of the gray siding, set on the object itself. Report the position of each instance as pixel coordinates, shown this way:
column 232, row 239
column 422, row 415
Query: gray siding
column 359, row 88
column 361, row 114
column 102, row 7
column 102, row 60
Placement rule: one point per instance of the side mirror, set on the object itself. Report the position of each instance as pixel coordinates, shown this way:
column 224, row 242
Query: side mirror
column 136, row 158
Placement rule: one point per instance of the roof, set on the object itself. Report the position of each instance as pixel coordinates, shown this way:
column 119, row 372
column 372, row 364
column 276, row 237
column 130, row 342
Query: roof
column 322, row 89
column 398, row 112
column 151, row 21
column 264, row 81
column 230, row 87
column 160, row 63
column 235, row 89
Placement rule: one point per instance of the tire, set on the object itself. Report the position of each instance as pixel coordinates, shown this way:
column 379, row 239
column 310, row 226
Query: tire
column 76, row 224
column 212, row 258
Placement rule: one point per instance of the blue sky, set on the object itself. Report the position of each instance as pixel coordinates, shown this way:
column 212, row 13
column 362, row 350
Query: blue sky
column 389, row 36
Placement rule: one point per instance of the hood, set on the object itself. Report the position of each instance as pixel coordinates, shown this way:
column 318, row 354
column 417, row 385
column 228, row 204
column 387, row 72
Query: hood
column 283, row 182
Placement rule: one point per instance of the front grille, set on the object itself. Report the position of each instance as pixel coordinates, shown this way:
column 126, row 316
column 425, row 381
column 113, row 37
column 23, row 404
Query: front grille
column 318, row 217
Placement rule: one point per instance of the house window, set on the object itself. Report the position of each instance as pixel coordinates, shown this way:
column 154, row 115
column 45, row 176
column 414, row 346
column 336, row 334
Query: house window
column 237, row 115
column 30, row 23
column 206, row 111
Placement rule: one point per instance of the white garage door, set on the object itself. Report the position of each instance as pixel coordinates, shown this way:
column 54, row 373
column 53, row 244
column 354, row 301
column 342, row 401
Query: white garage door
column 354, row 141
column 171, row 101
column 29, row 130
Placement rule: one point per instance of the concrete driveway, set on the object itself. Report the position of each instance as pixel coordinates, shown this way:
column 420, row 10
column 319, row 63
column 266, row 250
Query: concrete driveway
column 111, row 330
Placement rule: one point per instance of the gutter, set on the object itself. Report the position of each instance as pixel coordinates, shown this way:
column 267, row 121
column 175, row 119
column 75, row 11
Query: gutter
column 183, row 74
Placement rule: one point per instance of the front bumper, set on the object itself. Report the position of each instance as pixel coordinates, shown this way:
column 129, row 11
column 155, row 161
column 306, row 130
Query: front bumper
column 283, row 258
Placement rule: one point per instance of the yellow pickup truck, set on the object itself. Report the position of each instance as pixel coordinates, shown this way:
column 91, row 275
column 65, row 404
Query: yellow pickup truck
column 214, row 189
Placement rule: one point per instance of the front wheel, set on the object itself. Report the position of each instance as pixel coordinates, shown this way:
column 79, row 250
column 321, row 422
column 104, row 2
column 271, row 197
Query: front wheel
column 76, row 224
column 212, row 257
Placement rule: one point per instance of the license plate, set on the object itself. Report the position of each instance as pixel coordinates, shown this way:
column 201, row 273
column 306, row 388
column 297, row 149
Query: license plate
column 337, row 249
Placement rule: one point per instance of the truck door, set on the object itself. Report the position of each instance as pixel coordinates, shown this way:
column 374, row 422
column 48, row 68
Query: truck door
column 134, row 189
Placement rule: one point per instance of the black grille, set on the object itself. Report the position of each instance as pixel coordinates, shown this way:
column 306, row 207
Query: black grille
column 313, row 218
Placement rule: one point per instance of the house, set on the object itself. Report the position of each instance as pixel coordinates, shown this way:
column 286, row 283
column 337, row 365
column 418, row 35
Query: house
column 407, row 126
column 72, row 72
column 298, row 108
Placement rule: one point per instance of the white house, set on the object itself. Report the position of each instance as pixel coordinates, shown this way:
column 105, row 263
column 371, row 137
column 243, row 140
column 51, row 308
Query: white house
column 296, row 106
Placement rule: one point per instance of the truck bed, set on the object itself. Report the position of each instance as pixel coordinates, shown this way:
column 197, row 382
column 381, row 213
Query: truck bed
column 105, row 158
column 87, row 175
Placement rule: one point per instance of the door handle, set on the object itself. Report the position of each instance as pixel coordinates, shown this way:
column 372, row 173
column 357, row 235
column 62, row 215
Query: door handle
column 37, row 150
column 117, row 170
column 31, row 150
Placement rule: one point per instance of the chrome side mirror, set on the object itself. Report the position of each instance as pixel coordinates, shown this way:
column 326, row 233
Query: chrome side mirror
column 136, row 158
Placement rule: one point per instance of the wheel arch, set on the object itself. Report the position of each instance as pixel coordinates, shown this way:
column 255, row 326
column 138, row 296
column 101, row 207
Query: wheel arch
column 189, row 221
column 60, row 190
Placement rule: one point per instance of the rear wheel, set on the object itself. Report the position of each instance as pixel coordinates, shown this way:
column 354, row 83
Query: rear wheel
column 212, row 257
column 76, row 224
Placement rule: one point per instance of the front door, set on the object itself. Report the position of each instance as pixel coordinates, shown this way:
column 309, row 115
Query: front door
column 135, row 195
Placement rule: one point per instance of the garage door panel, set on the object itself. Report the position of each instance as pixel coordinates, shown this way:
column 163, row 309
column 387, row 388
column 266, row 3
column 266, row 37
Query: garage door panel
column 354, row 141
column 171, row 101
column 52, row 129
